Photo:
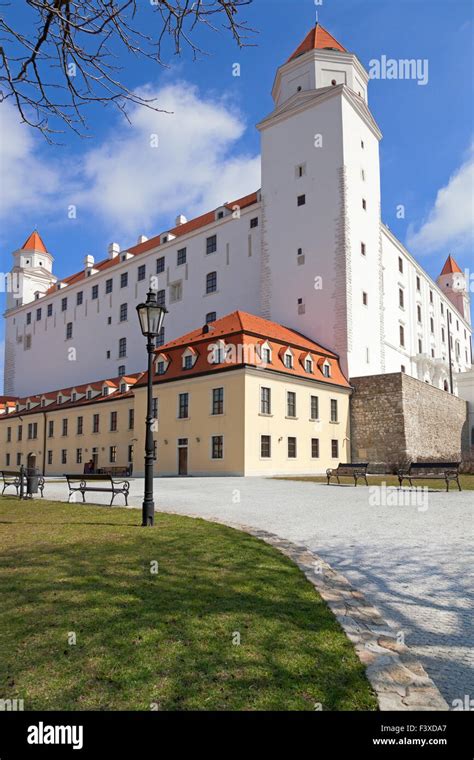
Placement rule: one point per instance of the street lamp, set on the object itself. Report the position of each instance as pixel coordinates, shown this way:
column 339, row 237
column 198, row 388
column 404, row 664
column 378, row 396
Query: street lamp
column 151, row 316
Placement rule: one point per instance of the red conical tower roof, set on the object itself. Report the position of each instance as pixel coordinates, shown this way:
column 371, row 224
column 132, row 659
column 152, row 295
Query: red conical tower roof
column 450, row 266
column 34, row 243
column 317, row 39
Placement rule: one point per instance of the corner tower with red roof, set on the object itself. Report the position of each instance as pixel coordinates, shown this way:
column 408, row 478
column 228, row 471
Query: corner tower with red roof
column 452, row 282
column 32, row 271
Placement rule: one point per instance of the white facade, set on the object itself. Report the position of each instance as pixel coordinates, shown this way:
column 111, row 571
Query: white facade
column 308, row 251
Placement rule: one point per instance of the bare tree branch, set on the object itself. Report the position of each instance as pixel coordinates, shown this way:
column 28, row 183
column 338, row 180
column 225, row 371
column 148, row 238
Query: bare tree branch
column 66, row 55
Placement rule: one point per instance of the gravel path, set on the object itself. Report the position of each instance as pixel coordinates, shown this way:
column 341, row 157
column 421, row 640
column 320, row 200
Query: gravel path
column 411, row 560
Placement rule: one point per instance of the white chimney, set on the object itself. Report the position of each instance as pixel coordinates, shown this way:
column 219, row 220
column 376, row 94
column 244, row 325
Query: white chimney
column 89, row 262
column 113, row 250
column 142, row 239
column 180, row 219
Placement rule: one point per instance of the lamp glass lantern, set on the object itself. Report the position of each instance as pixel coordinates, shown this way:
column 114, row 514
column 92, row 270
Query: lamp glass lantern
column 151, row 315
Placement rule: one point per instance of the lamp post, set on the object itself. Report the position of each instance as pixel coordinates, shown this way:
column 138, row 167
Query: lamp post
column 151, row 316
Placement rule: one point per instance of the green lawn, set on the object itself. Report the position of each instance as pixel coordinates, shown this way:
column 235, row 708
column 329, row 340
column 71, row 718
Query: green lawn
column 467, row 481
column 162, row 639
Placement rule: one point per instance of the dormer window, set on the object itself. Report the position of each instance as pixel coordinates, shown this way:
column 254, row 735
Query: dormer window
column 266, row 353
column 160, row 368
column 288, row 359
column 89, row 394
column 326, row 369
column 188, row 358
column 74, row 397
column 60, row 399
column 105, row 391
column 308, row 365
column 123, row 388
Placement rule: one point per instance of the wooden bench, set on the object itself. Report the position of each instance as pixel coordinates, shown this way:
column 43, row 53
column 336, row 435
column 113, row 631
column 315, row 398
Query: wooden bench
column 90, row 483
column 13, row 478
column 430, row 471
column 344, row 469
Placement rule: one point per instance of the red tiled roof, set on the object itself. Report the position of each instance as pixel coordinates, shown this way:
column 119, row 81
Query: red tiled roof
column 240, row 329
column 317, row 39
column 450, row 266
column 154, row 242
column 34, row 243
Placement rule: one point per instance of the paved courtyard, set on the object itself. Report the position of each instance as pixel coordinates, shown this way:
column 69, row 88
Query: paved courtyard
column 412, row 561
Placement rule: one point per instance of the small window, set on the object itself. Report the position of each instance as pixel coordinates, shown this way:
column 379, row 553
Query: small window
column 418, row 313
column 131, row 419
column 141, row 272
column 123, row 312
column 63, row 304
column 188, row 362
column 124, row 279
column 121, row 370
column 80, row 425
column 431, row 296
column 401, row 298
column 432, row 324
column 265, row 446
column 69, row 330
column 418, row 283
column 65, row 421
column 181, row 257
column 266, row 356
column 160, row 265
column 64, row 456
column 161, row 297
column 218, row 401
column 301, row 200
column 314, row 408
column 122, row 348
column 160, row 341
column 95, row 292
column 314, row 448
column 335, row 449
column 308, row 365
column 364, row 204
column 160, row 368
column 109, row 286
column 49, row 312
column 211, row 244
column 113, row 421
column 291, row 447
column 362, row 144
column 38, row 315
column 400, row 264
column 28, row 318
column 402, row 336
column 254, row 222
column 403, row 368
column 365, row 298
column 334, row 413
column 113, row 454
column 291, row 404
column 265, row 400
column 183, row 406
column 326, row 369
column 211, row 282
column 95, row 423
column 217, row 447
column 175, row 292
column 210, row 317
column 420, row 346
column 363, row 249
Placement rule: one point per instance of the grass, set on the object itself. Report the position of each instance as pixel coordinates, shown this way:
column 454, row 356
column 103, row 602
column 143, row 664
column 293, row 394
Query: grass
column 162, row 639
column 467, row 481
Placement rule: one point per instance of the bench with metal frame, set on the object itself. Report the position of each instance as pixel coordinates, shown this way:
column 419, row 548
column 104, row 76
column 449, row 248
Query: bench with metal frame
column 345, row 469
column 447, row 471
column 88, row 483
column 13, row 478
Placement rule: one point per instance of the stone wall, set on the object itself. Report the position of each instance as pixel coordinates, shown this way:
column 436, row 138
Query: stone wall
column 396, row 418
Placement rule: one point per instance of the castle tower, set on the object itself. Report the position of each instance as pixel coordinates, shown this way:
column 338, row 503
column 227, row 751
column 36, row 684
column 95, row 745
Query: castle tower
column 321, row 270
column 452, row 282
column 32, row 272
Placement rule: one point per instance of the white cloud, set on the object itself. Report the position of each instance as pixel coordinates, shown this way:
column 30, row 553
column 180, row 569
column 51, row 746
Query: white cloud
column 128, row 185
column 450, row 222
column 131, row 184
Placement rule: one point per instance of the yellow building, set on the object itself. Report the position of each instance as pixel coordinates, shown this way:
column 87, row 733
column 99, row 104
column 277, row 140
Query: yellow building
column 240, row 396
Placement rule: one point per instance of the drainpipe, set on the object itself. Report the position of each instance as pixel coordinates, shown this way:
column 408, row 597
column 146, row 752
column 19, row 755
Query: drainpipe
column 449, row 353
column 44, row 443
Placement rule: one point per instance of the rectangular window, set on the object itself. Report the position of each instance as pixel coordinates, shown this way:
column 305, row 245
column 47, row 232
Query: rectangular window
column 131, row 419
column 335, row 449
column 154, row 408
column 95, row 292
column 49, row 311
column 80, row 425
column 211, row 316
column 113, row 454
column 301, row 200
column 265, row 446
column 401, row 298
column 50, row 428
column 432, row 324
column 211, row 282
column 63, row 456
column 7, row 460
column 181, row 257
column 443, row 336
column 334, row 415
column 265, row 400
column 9, row 434
column 188, row 362
column 431, row 296
column 364, row 204
column 176, row 292
column 254, row 223
column 160, row 341
column 218, row 400
column 64, row 427
column 160, row 265
column 418, row 283
column 211, row 244
column 122, row 348
column 28, row 318
column 124, row 279
column 63, row 304
column 20, row 432
column 365, row 298
column 363, row 249
column 69, row 331
column 38, row 315
column 78, row 456
column 183, row 408
column 291, row 404
column 402, row 336
column 217, row 446
column 161, row 297
column 109, row 286
column 418, row 313
column 79, row 298
column 420, row 346
column 314, row 448
column 288, row 361
column 400, row 264
column 95, row 423
column 130, row 453
column 50, row 456
column 314, row 408
column 123, row 312
column 291, row 447
column 113, row 421
column 141, row 272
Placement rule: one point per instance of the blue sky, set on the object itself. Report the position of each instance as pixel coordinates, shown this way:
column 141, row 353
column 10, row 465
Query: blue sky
column 210, row 153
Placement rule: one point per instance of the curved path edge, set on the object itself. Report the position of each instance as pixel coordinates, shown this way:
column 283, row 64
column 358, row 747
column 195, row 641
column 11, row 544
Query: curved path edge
column 398, row 679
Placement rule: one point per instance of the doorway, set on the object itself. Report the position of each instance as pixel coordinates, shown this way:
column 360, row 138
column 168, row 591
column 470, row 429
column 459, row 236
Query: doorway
column 182, row 456
column 31, row 461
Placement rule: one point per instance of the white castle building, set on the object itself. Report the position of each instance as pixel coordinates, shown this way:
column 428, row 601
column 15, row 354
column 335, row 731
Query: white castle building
column 307, row 250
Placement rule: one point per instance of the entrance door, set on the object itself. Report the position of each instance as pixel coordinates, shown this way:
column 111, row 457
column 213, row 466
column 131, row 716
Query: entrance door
column 95, row 457
column 183, row 456
column 31, row 461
